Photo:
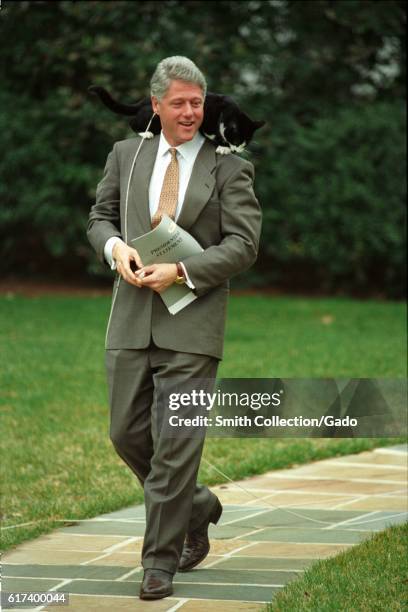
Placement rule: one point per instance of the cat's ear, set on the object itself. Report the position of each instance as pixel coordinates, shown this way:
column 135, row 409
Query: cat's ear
column 259, row 124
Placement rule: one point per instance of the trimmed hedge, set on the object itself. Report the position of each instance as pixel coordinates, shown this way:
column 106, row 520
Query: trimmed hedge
column 333, row 195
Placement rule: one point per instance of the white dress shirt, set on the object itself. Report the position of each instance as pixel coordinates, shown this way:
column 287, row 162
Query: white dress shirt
column 186, row 156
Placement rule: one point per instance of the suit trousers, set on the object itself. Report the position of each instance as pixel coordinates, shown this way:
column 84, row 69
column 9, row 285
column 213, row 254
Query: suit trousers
column 166, row 467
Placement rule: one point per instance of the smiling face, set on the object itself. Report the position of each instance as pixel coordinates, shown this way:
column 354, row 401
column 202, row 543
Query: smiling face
column 183, row 103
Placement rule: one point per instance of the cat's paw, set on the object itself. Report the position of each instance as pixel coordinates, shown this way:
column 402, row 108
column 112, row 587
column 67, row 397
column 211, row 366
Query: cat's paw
column 238, row 149
column 223, row 150
column 146, row 134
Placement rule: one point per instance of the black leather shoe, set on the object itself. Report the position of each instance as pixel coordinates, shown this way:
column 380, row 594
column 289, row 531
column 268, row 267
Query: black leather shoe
column 156, row 584
column 197, row 544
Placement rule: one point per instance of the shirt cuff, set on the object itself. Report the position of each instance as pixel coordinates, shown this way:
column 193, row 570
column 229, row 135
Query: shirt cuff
column 188, row 280
column 107, row 251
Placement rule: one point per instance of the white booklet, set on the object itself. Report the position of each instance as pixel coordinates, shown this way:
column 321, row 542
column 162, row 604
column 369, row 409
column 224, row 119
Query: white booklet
column 168, row 243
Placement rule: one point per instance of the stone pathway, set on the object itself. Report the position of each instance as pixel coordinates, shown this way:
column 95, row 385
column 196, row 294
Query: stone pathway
column 324, row 508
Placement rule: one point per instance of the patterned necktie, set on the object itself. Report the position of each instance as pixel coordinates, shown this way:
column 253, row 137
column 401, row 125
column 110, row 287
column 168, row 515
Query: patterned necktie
column 169, row 193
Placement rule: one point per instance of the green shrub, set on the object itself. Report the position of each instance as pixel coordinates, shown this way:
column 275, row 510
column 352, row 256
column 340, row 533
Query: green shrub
column 333, row 195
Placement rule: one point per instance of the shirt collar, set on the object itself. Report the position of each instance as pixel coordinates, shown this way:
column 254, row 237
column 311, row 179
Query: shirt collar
column 188, row 150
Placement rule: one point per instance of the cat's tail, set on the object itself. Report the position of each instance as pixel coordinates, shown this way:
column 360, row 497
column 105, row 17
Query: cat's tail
column 114, row 105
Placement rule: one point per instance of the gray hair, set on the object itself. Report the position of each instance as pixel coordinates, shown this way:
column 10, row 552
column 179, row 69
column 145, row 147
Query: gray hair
column 176, row 67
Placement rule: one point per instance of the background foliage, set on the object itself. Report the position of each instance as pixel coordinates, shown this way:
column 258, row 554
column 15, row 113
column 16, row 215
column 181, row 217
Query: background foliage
column 328, row 77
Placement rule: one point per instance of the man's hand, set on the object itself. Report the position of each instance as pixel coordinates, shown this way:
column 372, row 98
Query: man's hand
column 159, row 276
column 126, row 257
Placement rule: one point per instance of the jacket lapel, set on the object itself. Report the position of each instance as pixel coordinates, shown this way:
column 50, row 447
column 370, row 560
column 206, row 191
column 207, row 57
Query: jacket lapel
column 200, row 186
column 140, row 180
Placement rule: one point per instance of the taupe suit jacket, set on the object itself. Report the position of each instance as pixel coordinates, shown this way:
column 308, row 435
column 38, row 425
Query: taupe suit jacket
column 220, row 210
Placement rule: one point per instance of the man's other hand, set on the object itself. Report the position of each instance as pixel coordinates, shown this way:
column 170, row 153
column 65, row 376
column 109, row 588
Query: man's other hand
column 127, row 258
column 159, row 276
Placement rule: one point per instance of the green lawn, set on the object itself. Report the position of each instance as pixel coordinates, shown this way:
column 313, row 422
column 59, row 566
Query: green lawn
column 371, row 576
column 57, row 459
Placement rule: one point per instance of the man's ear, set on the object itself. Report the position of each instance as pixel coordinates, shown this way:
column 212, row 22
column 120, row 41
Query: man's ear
column 154, row 105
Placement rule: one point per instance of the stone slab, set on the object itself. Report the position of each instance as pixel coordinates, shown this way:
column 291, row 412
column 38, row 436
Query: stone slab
column 61, row 572
column 59, row 557
column 130, row 545
column 373, row 502
column 131, row 512
column 106, row 528
column 376, row 457
column 311, row 536
column 121, row 559
column 21, row 585
column 302, row 500
column 344, row 472
column 229, row 516
column 295, row 550
column 230, row 531
column 222, row 547
column 233, row 496
column 257, row 482
column 328, row 486
column 69, row 541
column 263, row 563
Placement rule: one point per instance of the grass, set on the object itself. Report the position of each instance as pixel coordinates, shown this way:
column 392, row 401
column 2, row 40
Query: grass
column 297, row 337
column 369, row 577
column 57, row 460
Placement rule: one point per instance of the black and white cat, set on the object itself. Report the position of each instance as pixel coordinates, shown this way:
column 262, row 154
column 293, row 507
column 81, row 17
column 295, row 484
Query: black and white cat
column 224, row 123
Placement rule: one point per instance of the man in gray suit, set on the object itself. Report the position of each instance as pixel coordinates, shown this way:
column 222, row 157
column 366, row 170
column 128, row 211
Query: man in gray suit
column 211, row 196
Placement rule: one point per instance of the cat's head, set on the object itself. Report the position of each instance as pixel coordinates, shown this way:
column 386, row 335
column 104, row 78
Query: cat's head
column 238, row 130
